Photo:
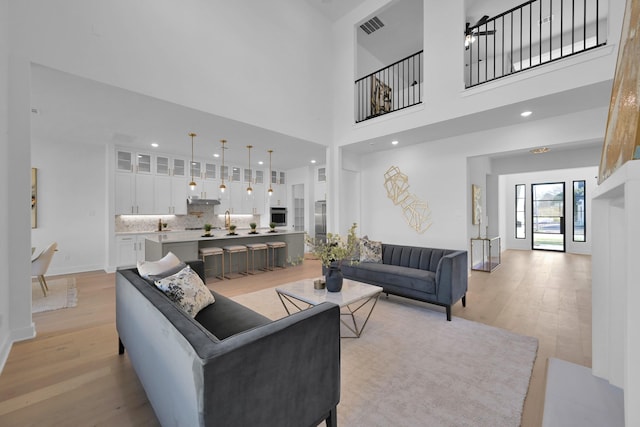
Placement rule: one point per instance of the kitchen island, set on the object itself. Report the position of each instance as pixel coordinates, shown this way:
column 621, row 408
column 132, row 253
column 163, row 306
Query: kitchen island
column 185, row 245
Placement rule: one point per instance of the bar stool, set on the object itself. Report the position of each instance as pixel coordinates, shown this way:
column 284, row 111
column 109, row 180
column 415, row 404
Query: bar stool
column 237, row 249
column 272, row 246
column 214, row 251
column 252, row 248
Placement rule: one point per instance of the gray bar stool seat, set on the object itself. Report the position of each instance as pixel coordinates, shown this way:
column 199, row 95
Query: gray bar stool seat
column 272, row 247
column 237, row 249
column 252, row 248
column 213, row 251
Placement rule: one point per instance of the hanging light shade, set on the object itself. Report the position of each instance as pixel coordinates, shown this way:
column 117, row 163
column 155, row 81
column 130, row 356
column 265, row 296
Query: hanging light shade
column 222, row 186
column 192, row 184
column 249, row 189
column 270, row 190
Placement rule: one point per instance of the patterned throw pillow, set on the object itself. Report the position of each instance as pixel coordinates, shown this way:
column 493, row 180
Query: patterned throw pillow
column 186, row 289
column 370, row 251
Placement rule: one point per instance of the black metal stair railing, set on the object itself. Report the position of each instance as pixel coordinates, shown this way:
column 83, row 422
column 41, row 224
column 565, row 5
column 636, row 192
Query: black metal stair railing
column 535, row 33
column 389, row 89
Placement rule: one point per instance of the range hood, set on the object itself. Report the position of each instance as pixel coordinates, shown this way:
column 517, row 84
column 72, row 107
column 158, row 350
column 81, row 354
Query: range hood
column 195, row 200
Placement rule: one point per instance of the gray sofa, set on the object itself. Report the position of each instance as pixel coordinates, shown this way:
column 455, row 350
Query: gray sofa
column 230, row 366
column 436, row 276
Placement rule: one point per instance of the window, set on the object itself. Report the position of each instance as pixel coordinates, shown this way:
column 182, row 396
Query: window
column 274, row 177
column 520, row 211
column 579, row 213
column 248, row 175
column 259, row 177
column 235, row 174
column 195, row 169
column 281, row 177
column 322, row 174
column 209, row 171
column 224, row 172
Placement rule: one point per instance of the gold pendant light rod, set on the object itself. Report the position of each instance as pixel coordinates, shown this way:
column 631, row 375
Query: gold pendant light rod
column 192, row 184
column 249, row 189
column 270, row 191
column 222, row 186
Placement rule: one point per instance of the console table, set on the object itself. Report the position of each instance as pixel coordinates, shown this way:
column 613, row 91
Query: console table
column 485, row 253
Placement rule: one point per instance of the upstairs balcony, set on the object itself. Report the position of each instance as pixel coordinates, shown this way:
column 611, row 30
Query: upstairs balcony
column 532, row 34
column 527, row 36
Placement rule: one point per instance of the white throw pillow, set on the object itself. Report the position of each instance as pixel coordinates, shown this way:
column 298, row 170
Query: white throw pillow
column 370, row 251
column 148, row 268
column 186, row 289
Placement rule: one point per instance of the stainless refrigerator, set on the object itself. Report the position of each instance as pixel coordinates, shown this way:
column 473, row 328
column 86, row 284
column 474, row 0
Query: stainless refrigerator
column 321, row 220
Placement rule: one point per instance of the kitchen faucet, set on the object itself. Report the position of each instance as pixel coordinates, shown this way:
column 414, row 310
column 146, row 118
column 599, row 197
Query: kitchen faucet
column 227, row 219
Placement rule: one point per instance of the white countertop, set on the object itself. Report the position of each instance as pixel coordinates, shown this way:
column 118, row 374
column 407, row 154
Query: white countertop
column 197, row 235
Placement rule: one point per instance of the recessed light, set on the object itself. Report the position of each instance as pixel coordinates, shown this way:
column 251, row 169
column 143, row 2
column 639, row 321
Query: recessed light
column 539, row 150
column 526, row 113
column 154, row 144
column 394, row 142
column 261, row 162
column 313, row 161
column 216, row 155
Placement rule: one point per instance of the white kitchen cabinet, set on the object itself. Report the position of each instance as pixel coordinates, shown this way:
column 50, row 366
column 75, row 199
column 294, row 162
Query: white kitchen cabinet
column 279, row 196
column 134, row 194
column 130, row 249
column 170, row 195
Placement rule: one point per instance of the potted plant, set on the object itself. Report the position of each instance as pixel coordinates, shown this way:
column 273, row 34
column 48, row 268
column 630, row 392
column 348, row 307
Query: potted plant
column 232, row 229
column 253, row 226
column 332, row 253
column 272, row 225
column 207, row 229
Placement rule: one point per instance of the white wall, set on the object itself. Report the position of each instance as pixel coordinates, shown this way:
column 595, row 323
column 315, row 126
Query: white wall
column 72, row 207
column 263, row 63
column 438, row 174
column 567, row 176
column 444, row 94
column 5, row 341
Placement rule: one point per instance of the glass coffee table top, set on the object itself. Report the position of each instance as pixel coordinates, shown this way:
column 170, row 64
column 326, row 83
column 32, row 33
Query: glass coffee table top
column 353, row 296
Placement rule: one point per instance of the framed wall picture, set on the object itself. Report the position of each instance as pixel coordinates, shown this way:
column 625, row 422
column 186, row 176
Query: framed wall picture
column 34, row 198
column 476, row 206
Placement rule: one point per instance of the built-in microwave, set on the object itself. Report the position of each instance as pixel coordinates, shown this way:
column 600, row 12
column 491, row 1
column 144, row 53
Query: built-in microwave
column 279, row 216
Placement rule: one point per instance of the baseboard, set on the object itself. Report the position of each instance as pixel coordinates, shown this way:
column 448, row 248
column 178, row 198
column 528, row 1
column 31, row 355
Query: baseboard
column 74, row 270
column 25, row 333
column 5, row 349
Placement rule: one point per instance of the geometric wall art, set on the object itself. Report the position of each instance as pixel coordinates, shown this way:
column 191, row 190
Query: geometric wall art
column 415, row 211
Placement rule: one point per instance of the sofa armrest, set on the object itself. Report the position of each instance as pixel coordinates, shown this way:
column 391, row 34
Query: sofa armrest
column 270, row 375
column 451, row 277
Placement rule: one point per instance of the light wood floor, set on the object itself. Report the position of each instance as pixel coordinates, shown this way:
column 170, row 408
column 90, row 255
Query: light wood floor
column 71, row 374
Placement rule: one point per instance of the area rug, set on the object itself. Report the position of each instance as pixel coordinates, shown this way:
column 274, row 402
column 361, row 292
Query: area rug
column 62, row 294
column 411, row 367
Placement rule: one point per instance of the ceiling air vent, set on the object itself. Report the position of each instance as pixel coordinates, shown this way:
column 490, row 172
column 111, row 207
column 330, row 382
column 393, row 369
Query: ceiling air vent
column 372, row 25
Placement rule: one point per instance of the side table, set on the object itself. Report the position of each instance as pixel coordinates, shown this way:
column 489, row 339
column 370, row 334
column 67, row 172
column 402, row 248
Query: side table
column 485, row 253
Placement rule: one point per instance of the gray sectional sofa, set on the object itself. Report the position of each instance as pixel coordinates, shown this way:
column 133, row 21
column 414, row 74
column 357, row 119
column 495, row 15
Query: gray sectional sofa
column 436, row 276
column 229, row 366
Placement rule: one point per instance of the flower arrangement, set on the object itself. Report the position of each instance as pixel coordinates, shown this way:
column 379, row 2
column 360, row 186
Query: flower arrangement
column 336, row 248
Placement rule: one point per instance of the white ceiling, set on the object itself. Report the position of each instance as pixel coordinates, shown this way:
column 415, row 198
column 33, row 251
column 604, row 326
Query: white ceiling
column 73, row 109
column 78, row 110
column 335, row 9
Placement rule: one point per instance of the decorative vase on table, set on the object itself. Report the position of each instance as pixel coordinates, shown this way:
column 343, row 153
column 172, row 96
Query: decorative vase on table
column 334, row 279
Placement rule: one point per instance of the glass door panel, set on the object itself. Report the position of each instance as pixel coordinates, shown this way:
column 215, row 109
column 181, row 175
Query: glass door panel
column 547, row 212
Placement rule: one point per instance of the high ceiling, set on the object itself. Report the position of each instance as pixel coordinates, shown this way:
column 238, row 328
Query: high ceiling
column 73, row 109
column 78, row 110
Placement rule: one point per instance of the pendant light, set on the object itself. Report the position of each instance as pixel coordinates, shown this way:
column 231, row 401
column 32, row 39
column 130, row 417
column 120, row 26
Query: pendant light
column 270, row 190
column 222, row 186
column 192, row 184
column 249, row 189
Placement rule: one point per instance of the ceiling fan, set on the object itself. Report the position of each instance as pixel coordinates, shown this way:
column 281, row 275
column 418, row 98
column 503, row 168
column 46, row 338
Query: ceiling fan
column 472, row 32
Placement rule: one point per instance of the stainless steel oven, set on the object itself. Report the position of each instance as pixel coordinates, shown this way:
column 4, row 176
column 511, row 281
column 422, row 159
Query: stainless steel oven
column 279, row 216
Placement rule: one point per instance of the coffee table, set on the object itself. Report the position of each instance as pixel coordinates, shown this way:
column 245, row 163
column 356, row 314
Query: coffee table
column 353, row 296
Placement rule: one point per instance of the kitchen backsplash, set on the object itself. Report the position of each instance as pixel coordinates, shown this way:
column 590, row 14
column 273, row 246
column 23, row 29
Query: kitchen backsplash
column 197, row 217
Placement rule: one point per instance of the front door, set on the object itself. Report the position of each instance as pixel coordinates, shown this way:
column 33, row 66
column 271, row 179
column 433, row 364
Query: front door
column 548, row 216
